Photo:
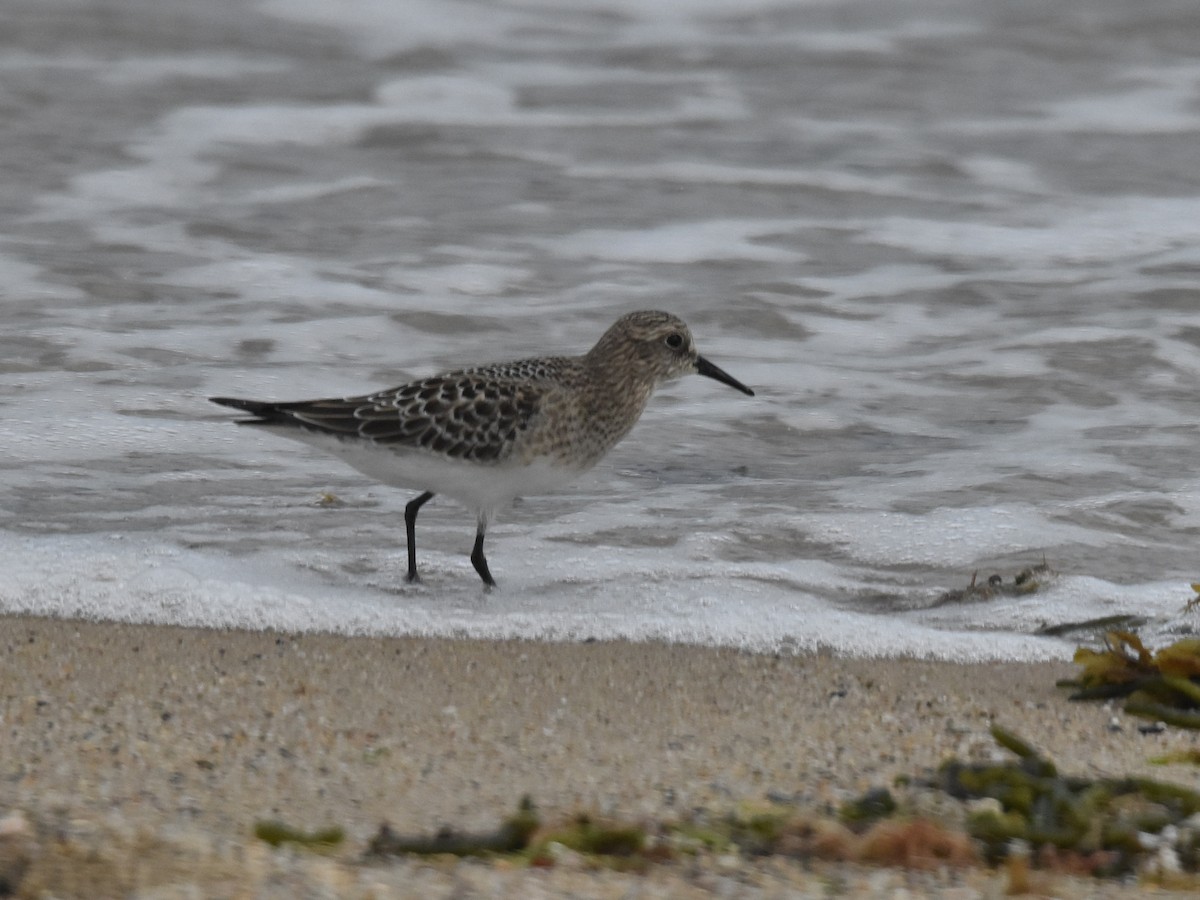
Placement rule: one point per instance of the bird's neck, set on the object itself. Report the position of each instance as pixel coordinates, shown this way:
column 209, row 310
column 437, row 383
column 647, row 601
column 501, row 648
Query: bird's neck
column 614, row 400
column 629, row 386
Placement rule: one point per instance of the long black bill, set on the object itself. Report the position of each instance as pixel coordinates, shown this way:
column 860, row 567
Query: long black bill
column 708, row 370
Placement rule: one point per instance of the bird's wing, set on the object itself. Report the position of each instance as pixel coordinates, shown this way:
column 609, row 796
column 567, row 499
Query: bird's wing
column 470, row 415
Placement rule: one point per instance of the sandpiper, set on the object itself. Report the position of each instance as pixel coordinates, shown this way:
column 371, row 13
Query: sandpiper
column 487, row 434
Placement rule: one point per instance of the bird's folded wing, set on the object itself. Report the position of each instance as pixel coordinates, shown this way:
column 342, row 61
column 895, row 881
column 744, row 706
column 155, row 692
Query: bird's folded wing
column 464, row 416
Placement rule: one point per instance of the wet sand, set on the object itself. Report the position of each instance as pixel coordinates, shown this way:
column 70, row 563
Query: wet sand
column 137, row 759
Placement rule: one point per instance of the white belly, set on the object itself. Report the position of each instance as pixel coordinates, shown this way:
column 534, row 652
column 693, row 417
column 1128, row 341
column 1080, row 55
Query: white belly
column 479, row 486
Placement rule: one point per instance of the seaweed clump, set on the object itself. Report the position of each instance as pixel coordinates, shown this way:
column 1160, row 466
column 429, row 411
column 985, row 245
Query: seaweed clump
column 1023, row 812
column 1162, row 685
column 1029, row 580
column 512, row 836
column 1096, row 826
column 523, row 834
column 277, row 833
column 870, row 833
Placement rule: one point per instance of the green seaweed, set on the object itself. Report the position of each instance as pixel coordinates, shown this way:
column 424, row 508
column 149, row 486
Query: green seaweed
column 1162, row 685
column 690, row 836
column 1076, row 823
column 512, row 836
column 875, row 804
column 1100, row 818
column 586, row 836
column 1097, row 627
column 1163, row 712
column 1189, row 757
column 1032, row 761
column 277, row 833
column 754, row 835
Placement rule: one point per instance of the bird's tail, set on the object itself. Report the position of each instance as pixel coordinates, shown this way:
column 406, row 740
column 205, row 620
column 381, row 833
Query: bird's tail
column 261, row 410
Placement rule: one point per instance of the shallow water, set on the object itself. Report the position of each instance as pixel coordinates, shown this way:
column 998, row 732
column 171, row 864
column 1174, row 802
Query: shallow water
column 953, row 246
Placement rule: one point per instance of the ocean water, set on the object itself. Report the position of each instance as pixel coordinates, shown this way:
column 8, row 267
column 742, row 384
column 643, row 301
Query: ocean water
column 954, row 247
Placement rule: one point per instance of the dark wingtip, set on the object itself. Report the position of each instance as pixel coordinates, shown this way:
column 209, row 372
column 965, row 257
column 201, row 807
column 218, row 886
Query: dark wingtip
column 254, row 407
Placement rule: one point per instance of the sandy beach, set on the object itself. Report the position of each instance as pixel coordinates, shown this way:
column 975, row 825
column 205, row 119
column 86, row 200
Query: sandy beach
column 138, row 759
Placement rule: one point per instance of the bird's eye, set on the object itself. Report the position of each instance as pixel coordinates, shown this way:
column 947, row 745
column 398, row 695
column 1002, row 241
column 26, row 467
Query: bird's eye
column 674, row 340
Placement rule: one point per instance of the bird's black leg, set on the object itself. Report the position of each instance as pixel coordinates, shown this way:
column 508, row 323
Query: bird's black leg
column 478, row 560
column 410, row 527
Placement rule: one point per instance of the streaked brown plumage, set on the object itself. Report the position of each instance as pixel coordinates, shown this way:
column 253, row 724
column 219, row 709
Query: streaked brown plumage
column 487, row 434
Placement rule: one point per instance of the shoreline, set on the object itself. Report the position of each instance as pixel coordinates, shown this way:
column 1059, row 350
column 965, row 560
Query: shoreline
column 198, row 734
